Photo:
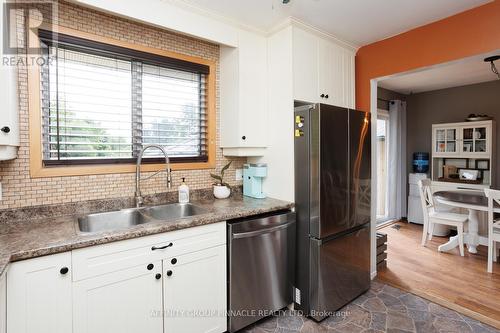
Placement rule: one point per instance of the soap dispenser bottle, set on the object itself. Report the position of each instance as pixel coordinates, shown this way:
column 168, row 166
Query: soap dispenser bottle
column 183, row 192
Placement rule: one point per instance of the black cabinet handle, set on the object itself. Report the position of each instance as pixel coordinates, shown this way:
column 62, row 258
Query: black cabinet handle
column 64, row 270
column 244, row 137
column 161, row 247
column 5, row 129
column 150, row 267
column 169, row 273
column 326, row 96
column 173, row 261
column 322, row 95
column 158, row 276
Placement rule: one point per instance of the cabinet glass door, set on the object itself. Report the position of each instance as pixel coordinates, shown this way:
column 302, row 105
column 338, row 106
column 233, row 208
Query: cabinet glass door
column 480, row 139
column 446, row 140
column 474, row 139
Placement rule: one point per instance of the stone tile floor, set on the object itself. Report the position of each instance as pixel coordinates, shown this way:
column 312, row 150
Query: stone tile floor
column 381, row 309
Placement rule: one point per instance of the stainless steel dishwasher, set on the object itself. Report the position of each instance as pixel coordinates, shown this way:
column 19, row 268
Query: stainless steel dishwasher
column 261, row 270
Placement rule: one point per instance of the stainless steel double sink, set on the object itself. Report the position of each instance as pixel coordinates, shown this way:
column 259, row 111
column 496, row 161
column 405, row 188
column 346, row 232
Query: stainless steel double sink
column 126, row 218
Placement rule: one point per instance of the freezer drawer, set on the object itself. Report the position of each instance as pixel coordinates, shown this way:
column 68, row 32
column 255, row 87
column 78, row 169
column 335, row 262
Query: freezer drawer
column 340, row 271
column 261, row 267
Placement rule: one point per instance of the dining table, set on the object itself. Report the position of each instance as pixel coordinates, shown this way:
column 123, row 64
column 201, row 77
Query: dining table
column 474, row 202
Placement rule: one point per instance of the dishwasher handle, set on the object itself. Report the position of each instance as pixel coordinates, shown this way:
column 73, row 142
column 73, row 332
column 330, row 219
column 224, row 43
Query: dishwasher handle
column 262, row 231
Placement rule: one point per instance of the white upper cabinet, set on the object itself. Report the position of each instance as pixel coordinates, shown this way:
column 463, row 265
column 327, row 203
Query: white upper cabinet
column 243, row 96
column 466, row 140
column 323, row 71
column 9, row 113
column 305, row 66
column 39, row 295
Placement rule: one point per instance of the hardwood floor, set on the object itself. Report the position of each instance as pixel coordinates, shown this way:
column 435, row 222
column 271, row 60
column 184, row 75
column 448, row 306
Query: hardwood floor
column 459, row 283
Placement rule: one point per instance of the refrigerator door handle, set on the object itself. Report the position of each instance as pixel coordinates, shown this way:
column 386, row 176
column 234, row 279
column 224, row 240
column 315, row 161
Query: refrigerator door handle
column 262, row 231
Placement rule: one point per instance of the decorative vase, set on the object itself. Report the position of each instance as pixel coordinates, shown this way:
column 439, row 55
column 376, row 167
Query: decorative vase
column 221, row 192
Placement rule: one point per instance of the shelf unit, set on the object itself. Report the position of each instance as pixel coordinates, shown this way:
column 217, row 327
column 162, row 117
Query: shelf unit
column 466, row 145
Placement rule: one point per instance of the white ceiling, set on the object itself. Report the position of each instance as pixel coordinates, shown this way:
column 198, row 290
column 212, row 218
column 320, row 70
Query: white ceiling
column 359, row 22
column 454, row 74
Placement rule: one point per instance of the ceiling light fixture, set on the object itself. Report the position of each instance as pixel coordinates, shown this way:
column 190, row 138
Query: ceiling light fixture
column 492, row 60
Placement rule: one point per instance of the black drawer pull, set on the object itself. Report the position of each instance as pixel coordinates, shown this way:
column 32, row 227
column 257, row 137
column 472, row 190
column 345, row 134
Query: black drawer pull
column 169, row 273
column 5, row 129
column 161, row 247
column 173, row 261
column 64, row 270
column 150, row 267
column 158, row 276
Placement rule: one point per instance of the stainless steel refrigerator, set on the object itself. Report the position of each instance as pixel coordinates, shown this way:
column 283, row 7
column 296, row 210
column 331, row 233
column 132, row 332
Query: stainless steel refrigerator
column 332, row 198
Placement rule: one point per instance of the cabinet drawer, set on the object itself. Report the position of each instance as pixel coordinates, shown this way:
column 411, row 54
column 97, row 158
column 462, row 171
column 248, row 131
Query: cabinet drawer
column 106, row 258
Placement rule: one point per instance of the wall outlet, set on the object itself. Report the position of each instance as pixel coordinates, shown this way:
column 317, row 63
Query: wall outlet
column 239, row 174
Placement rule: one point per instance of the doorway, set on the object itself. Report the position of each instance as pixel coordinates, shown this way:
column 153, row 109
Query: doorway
column 382, row 166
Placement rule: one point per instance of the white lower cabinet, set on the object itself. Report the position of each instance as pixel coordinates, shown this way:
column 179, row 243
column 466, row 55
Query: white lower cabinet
column 39, row 295
column 126, row 301
column 194, row 289
column 173, row 282
column 3, row 304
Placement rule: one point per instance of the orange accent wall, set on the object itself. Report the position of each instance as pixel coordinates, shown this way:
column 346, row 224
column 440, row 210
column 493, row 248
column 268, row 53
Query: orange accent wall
column 469, row 33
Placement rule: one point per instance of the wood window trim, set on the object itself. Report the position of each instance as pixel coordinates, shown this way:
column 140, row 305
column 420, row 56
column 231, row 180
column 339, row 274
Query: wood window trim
column 38, row 170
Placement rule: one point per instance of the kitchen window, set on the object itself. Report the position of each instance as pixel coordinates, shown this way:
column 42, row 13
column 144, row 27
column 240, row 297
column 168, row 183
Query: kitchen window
column 101, row 103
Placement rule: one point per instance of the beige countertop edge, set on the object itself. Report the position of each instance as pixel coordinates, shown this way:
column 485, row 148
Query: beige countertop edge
column 76, row 240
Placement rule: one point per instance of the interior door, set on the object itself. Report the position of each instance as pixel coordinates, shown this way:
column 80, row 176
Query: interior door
column 340, row 270
column 125, row 301
column 359, row 168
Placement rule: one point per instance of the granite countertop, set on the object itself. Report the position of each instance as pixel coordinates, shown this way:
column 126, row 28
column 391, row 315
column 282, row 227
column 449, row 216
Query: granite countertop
column 34, row 237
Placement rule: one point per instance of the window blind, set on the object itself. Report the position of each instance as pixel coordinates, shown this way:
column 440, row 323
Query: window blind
column 104, row 107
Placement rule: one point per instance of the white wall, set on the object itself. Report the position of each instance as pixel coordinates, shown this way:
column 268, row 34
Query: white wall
column 169, row 16
column 279, row 182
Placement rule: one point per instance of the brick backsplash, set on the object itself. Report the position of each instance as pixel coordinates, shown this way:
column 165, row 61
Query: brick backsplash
column 20, row 190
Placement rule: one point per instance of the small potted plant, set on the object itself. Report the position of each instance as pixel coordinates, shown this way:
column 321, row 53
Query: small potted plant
column 221, row 189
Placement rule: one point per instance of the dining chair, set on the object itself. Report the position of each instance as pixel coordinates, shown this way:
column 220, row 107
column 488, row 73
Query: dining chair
column 432, row 217
column 493, row 227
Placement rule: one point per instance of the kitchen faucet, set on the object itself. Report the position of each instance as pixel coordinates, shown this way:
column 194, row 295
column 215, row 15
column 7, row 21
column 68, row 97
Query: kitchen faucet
column 138, row 197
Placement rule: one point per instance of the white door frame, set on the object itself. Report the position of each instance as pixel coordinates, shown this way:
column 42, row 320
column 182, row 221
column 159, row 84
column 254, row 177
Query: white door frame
column 373, row 110
column 373, row 229
column 384, row 114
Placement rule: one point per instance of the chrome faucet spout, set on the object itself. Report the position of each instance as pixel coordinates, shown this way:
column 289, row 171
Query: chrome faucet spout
column 138, row 196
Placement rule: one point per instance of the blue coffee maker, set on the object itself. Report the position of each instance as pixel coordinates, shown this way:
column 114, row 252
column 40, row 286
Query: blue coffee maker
column 253, row 174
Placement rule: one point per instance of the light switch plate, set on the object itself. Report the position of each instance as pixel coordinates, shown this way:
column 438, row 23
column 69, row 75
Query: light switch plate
column 239, row 174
